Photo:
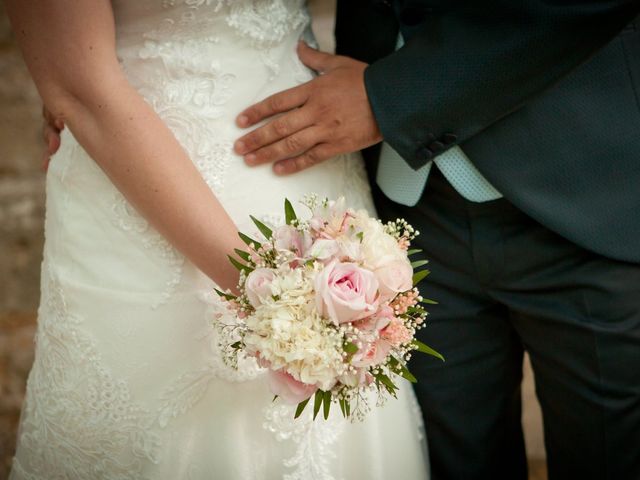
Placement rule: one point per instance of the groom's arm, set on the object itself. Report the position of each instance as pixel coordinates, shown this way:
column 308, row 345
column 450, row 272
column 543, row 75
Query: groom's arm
column 465, row 69
column 460, row 71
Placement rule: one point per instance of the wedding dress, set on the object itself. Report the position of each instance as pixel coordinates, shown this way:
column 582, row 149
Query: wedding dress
column 127, row 382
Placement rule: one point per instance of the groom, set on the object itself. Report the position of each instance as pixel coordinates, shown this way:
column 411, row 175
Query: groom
column 512, row 142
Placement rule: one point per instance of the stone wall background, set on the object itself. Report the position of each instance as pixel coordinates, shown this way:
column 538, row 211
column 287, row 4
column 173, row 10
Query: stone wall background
column 21, row 238
column 21, row 232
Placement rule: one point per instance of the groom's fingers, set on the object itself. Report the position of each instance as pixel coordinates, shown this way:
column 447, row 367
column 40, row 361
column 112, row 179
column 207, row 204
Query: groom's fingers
column 280, row 127
column 290, row 147
column 315, row 59
column 317, row 154
column 278, row 103
column 334, row 108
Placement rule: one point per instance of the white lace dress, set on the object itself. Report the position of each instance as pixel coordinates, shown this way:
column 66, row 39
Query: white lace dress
column 127, row 382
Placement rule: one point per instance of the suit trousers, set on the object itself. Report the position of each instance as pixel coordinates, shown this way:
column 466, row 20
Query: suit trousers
column 505, row 284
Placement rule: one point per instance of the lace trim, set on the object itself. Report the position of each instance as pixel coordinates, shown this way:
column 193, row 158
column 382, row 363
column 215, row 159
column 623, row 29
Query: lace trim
column 266, row 23
column 313, row 441
column 78, row 420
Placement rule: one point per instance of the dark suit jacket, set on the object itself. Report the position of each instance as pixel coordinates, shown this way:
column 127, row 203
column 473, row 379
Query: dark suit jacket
column 542, row 95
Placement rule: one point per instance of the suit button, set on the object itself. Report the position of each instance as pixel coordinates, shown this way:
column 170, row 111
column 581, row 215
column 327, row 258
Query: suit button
column 449, row 138
column 412, row 16
column 424, row 153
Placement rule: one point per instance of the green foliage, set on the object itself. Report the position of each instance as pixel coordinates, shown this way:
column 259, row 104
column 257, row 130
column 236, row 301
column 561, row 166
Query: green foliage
column 421, row 347
column 317, row 402
column 249, row 241
column 289, row 212
column 266, row 231
column 419, row 276
column 383, row 380
column 327, row 404
column 301, row 407
column 226, row 296
column 402, row 370
column 239, row 266
column 246, row 256
column 343, row 407
column 350, row 347
column 419, row 263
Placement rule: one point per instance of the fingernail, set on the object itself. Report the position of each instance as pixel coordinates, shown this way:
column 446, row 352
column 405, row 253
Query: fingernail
column 250, row 158
column 279, row 169
column 243, row 120
column 239, row 146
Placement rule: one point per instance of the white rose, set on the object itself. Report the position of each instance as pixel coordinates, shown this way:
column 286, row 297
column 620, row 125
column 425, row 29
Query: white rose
column 394, row 276
column 258, row 285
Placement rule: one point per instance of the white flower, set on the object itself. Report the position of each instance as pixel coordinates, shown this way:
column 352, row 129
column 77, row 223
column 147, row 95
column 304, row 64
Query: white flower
column 290, row 334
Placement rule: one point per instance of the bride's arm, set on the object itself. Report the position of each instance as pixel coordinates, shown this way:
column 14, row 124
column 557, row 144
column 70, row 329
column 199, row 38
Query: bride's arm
column 82, row 83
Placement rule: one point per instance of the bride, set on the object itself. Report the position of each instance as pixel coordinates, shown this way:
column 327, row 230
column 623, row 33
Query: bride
column 144, row 199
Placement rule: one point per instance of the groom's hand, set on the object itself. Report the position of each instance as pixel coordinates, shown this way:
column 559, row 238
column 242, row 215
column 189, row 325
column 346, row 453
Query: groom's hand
column 324, row 117
column 51, row 129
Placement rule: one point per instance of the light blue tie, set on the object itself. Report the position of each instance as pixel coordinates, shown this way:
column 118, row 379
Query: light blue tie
column 404, row 185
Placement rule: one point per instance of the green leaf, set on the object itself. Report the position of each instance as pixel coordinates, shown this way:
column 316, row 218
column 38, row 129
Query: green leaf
column 243, row 255
column 343, row 409
column 226, row 296
column 419, row 263
column 350, row 348
column 249, row 241
column 429, row 302
column 408, row 375
column 388, row 384
column 419, row 276
column 347, row 407
column 317, row 402
column 301, row 407
column 239, row 265
column 289, row 212
column 274, row 398
column 413, row 251
column 421, row 347
column 360, row 236
column 266, row 231
column 402, row 370
column 416, row 310
column 237, row 345
column 327, row 404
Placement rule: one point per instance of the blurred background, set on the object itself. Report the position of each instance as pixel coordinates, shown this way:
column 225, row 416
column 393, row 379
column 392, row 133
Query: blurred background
column 21, row 239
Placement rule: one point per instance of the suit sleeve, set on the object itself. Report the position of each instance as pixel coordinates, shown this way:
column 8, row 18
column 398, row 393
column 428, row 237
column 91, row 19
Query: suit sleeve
column 462, row 70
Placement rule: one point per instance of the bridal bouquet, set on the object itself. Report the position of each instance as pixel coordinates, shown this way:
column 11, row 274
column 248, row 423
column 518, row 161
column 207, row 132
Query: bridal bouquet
column 328, row 306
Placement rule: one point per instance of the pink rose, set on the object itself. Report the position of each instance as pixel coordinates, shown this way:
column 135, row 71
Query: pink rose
column 258, row 285
column 377, row 321
column 345, row 292
column 372, row 354
column 290, row 238
column 288, row 388
column 394, row 277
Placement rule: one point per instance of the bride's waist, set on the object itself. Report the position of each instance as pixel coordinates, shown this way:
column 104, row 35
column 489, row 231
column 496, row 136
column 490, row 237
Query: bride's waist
column 221, row 69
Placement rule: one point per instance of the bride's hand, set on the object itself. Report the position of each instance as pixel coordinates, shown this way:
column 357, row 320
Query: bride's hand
column 322, row 118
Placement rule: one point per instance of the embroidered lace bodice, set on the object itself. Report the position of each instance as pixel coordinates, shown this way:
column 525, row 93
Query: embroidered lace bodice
column 127, row 381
